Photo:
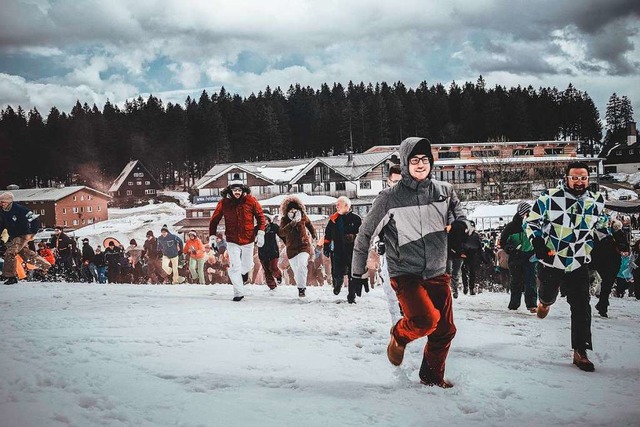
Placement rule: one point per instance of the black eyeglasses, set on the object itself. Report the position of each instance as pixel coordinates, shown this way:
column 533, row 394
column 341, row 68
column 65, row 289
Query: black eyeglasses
column 416, row 160
column 577, row 178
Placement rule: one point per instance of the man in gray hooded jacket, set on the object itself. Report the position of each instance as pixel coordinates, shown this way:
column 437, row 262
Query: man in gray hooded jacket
column 415, row 216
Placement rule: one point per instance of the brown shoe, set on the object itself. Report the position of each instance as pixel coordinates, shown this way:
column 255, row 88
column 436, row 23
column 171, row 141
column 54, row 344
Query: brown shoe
column 395, row 351
column 581, row 360
column 442, row 383
column 543, row 310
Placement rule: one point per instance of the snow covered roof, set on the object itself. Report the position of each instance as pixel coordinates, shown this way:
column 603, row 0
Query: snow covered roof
column 513, row 160
column 382, row 148
column 275, row 171
column 304, row 198
column 50, row 194
column 358, row 165
column 123, row 175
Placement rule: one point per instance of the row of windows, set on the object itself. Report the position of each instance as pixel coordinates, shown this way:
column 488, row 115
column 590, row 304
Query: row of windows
column 80, row 209
column 494, row 153
column 78, row 222
column 130, row 183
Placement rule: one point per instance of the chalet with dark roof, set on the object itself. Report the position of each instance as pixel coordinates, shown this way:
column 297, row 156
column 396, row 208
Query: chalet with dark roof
column 134, row 185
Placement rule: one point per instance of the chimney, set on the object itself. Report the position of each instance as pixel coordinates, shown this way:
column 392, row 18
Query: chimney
column 349, row 156
column 631, row 133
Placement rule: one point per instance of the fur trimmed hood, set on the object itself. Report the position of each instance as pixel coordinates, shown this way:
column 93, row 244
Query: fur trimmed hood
column 226, row 192
column 288, row 203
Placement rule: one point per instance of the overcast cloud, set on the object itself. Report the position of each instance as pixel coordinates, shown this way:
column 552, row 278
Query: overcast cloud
column 54, row 52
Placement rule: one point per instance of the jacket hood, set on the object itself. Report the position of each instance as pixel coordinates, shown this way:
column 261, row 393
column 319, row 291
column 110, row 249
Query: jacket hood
column 405, row 150
column 294, row 202
column 227, row 192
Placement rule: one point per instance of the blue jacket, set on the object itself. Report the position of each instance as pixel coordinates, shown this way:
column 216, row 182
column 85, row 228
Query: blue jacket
column 19, row 221
column 170, row 246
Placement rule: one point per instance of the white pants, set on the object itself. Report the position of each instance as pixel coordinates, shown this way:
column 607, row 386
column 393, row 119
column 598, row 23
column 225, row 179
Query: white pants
column 392, row 298
column 196, row 267
column 241, row 259
column 173, row 269
column 300, row 266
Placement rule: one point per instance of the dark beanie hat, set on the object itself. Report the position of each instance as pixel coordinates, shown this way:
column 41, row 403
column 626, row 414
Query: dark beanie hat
column 422, row 147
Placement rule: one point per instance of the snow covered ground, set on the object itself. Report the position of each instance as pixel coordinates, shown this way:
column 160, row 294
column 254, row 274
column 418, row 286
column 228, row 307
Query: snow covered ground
column 124, row 355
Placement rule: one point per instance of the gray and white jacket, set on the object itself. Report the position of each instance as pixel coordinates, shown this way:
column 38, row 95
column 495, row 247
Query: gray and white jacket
column 412, row 217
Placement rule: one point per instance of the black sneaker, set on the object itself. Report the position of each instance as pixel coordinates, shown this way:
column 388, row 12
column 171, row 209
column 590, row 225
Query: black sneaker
column 245, row 278
column 236, row 299
column 301, row 292
column 428, row 378
column 351, row 300
column 11, row 281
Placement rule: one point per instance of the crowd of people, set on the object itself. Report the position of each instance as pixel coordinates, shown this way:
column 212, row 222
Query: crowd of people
column 416, row 242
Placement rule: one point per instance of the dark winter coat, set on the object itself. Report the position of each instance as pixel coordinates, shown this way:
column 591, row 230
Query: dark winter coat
column 151, row 249
column 99, row 260
column 270, row 249
column 239, row 215
column 63, row 243
column 515, row 242
column 295, row 235
column 88, row 253
column 112, row 256
column 414, row 216
column 19, row 221
column 339, row 237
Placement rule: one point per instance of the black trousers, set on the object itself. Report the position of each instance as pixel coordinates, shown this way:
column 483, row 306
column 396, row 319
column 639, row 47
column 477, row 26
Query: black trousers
column 576, row 284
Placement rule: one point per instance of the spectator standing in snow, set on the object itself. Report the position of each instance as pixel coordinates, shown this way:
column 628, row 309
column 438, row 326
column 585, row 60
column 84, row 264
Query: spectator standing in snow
column 522, row 271
column 88, row 269
column 339, row 236
column 195, row 249
column 21, row 224
column 101, row 264
column 414, row 216
column 561, row 227
column 171, row 246
column 297, row 232
column 63, row 249
column 606, row 258
column 155, row 273
column 112, row 256
column 239, row 210
column 395, row 176
column 268, row 254
column 134, row 252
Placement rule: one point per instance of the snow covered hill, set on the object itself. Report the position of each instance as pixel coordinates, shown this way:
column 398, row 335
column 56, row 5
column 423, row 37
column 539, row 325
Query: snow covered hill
column 123, row 355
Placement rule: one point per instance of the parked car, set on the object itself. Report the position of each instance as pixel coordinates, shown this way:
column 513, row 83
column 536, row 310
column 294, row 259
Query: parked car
column 606, row 177
column 636, row 186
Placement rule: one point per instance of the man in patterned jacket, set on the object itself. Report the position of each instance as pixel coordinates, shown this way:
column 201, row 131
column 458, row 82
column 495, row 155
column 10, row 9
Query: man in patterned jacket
column 561, row 227
column 414, row 216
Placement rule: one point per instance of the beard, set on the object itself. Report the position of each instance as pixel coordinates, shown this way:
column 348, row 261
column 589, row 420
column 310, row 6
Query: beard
column 578, row 190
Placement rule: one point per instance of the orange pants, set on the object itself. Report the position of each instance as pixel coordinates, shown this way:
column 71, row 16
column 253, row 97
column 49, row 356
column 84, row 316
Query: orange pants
column 427, row 308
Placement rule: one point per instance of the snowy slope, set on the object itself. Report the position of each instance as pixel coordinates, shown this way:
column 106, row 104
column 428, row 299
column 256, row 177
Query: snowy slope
column 122, row 355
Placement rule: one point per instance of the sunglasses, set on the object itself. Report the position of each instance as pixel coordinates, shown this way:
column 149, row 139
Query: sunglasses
column 577, row 178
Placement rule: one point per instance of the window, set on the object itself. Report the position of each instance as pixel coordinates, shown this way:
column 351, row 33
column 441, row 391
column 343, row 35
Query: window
column 241, row 175
column 448, row 154
column 89, row 197
column 147, row 183
column 327, row 186
column 619, row 153
column 485, row 153
column 83, row 221
column 341, row 186
column 129, row 192
column 89, row 209
column 41, row 211
column 321, row 173
column 90, row 221
column 138, row 182
column 130, row 183
column 149, row 191
column 75, row 198
column 284, row 189
column 82, row 198
column 99, row 208
column 523, row 152
column 75, row 210
column 64, row 210
column 75, row 222
column 138, row 174
column 365, row 185
column 552, row 151
column 64, row 223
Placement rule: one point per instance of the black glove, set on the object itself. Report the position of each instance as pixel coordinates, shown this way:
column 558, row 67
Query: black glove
column 541, row 249
column 356, row 284
column 326, row 252
column 380, row 248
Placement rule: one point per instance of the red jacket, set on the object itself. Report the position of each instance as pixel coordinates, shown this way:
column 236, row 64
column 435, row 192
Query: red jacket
column 238, row 218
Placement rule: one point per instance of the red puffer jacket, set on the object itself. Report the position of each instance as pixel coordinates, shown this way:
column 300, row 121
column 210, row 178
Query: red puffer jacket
column 238, row 217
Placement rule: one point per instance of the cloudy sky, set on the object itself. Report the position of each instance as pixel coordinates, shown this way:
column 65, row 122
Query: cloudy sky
column 53, row 52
